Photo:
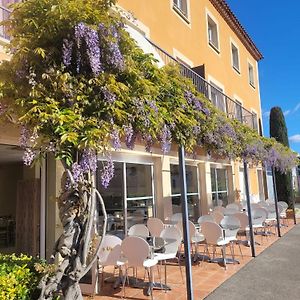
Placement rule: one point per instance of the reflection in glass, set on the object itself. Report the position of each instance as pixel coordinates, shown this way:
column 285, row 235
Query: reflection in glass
column 192, row 190
column 219, row 186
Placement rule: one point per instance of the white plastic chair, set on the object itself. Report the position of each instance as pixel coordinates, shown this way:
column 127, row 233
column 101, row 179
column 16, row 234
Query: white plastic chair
column 244, row 225
column 229, row 211
column 176, row 217
column 171, row 248
column 138, row 230
column 259, row 215
column 283, row 216
column 205, row 218
column 155, row 226
column 137, row 252
column 213, row 234
column 217, row 216
column 232, row 225
column 219, row 208
column 110, row 252
column 234, row 206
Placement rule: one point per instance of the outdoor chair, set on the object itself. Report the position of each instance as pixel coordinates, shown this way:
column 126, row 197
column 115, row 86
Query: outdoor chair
column 138, row 230
column 217, row 216
column 283, row 216
column 213, row 234
column 171, row 248
column 176, row 217
column 109, row 254
column 205, row 218
column 244, row 227
column 155, row 226
column 229, row 211
column 259, row 215
column 136, row 252
column 231, row 225
column 235, row 206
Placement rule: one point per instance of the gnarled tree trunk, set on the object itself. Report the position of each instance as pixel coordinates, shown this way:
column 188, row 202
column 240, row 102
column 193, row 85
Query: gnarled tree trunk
column 76, row 212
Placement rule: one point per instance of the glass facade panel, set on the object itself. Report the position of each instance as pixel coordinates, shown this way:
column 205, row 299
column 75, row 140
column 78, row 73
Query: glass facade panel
column 219, row 186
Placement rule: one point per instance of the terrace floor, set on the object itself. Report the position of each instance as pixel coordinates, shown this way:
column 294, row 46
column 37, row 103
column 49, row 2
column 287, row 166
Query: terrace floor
column 206, row 276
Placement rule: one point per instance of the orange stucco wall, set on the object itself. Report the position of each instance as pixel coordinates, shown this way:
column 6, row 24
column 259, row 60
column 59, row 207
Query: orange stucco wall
column 166, row 28
column 170, row 31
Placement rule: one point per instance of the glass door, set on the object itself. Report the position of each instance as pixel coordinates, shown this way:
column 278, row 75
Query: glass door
column 129, row 198
column 219, row 186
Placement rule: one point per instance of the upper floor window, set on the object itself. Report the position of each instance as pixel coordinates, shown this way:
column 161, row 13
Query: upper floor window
column 182, row 6
column 213, row 38
column 251, row 75
column 235, row 57
column 238, row 111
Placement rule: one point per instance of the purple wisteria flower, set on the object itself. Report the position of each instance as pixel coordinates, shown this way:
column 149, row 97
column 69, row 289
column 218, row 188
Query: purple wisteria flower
column 115, row 137
column 67, row 52
column 24, row 137
column 107, row 173
column 166, row 139
column 148, row 142
column 88, row 161
column 130, row 137
column 28, row 157
column 77, row 172
column 108, row 96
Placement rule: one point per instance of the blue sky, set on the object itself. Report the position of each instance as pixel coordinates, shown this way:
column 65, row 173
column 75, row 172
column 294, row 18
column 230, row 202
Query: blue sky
column 274, row 27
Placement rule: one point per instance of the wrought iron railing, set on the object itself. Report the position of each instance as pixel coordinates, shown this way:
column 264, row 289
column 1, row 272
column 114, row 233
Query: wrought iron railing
column 232, row 108
column 4, row 15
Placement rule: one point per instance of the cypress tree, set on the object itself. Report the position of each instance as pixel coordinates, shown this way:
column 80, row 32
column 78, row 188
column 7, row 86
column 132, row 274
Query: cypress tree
column 278, row 130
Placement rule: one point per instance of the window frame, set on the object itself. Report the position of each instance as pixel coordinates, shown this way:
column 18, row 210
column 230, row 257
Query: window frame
column 251, row 80
column 220, row 88
column 177, row 7
column 217, row 191
column 211, row 19
column 233, row 46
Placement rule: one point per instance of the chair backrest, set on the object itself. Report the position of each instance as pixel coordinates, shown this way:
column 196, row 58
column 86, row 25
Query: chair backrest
column 205, row 218
column 243, row 218
column 212, row 232
column 192, row 228
column 264, row 204
column 229, row 211
column 176, row 217
column 219, row 208
column 217, row 216
column 174, row 234
column 228, row 222
column 281, row 209
column 136, row 250
column 284, row 204
column 110, row 250
column 155, row 226
column 234, row 206
column 271, row 209
column 138, row 230
column 259, row 215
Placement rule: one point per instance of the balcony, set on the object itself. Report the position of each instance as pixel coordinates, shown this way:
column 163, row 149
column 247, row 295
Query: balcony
column 232, row 108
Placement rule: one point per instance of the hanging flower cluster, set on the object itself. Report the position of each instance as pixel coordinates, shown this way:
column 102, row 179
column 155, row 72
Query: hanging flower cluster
column 99, row 91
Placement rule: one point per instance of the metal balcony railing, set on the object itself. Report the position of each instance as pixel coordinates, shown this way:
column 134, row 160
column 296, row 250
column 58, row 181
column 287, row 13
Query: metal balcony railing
column 233, row 109
column 4, row 15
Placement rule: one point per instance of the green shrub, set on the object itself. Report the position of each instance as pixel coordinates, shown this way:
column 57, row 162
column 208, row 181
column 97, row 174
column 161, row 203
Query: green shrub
column 20, row 276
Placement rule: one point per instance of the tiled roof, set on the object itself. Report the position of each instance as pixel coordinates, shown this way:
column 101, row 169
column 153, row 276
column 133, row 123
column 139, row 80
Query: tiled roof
column 224, row 10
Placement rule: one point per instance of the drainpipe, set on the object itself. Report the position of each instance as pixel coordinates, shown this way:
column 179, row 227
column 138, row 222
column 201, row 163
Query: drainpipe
column 185, row 225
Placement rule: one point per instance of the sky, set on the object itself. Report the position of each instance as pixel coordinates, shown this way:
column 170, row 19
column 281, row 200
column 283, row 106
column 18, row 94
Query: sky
column 274, row 26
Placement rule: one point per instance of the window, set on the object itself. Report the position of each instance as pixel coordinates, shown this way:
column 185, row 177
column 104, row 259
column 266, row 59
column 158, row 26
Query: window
column 238, row 111
column 219, row 186
column 251, row 75
column 192, row 190
column 217, row 97
column 129, row 197
column 213, row 38
column 235, row 57
column 181, row 5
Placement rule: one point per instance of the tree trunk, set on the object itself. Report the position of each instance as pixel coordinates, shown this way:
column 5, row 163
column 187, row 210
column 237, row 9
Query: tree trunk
column 76, row 211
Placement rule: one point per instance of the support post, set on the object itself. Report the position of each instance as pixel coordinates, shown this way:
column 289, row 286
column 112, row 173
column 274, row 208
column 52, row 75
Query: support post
column 185, row 225
column 276, row 202
column 252, row 243
column 293, row 204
